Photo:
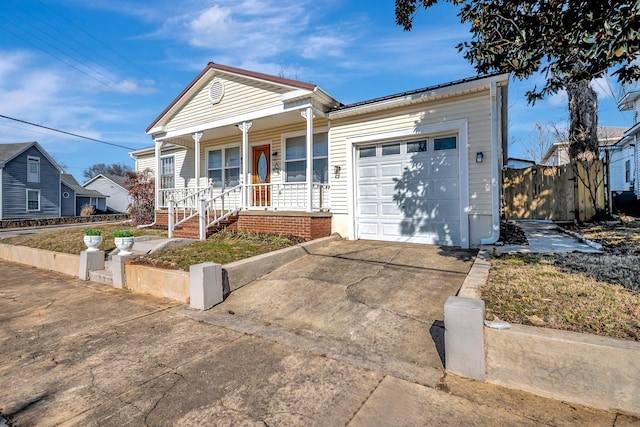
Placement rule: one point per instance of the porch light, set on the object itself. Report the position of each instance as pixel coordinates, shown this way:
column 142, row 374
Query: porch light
column 479, row 157
column 274, row 154
column 336, row 171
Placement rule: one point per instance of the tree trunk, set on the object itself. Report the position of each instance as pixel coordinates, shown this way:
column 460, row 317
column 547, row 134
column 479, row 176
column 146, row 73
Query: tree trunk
column 583, row 121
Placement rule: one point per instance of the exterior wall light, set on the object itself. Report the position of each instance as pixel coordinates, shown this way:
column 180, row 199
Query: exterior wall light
column 479, row 157
column 336, row 172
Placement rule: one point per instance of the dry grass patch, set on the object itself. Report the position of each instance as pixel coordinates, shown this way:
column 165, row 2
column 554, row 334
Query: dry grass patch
column 534, row 289
column 222, row 248
column 617, row 237
column 71, row 240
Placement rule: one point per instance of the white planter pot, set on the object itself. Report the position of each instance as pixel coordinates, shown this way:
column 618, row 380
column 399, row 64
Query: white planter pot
column 92, row 242
column 124, row 245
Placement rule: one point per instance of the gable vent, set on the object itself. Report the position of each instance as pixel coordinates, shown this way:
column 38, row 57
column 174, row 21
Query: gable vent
column 216, row 91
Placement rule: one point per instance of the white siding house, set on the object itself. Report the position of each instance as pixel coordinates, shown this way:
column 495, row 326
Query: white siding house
column 629, row 100
column 421, row 166
column 113, row 187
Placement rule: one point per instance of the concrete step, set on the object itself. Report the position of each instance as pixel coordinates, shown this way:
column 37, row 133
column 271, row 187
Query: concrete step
column 101, row 276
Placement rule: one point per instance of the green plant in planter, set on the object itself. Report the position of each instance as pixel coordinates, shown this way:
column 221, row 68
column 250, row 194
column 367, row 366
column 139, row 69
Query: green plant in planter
column 123, row 233
column 93, row 232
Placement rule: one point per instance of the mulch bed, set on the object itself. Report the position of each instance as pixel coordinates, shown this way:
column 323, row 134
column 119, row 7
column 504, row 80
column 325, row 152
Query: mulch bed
column 511, row 234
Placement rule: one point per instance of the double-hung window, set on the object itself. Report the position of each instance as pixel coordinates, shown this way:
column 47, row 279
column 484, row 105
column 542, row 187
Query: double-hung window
column 224, row 167
column 33, row 169
column 627, row 171
column 296, row 158
column 33, row 200
column 167, row 172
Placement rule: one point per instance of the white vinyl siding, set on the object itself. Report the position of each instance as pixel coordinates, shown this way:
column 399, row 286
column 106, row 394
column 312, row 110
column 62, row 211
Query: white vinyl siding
column 475, row 108
column 239, row 97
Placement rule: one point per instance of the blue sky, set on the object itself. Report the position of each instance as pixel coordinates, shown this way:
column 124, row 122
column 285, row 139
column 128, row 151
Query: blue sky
column 106, row 68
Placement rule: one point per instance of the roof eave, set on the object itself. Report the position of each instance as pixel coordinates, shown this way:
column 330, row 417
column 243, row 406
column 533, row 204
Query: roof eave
column 420, row 96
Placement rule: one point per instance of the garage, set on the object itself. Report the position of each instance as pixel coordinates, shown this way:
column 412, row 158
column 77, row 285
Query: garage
column 408, row 191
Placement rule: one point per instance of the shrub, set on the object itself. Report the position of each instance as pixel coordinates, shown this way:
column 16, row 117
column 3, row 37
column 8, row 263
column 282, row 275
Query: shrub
column 87, row 210
column 141, row 188
column 93, row 232
column 123, row 233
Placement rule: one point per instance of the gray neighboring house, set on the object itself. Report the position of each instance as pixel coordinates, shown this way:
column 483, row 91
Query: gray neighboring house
column 114, row 188
column 75, row 196
column 30, row 184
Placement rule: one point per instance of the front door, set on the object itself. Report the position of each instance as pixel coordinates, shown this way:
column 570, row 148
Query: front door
column 261, row 176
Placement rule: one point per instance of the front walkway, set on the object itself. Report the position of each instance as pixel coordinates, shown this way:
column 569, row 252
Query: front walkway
column 545, row 237
column 78, row 353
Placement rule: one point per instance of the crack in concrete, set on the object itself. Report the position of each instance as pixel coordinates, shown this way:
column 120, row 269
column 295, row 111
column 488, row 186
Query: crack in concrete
column 164, row 394
column 351, row 297
column 364, row 402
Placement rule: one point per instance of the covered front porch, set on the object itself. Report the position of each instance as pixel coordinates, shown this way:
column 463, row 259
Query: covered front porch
column 237, row 141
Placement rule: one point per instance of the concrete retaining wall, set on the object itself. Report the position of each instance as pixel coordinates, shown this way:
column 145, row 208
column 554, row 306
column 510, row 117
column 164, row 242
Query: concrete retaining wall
column 172, row 284
column 239, row 273
column 40, row 258
column 587, row 369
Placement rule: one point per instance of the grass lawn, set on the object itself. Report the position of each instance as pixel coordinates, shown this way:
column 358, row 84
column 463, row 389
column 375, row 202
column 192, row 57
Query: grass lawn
column 223, row 247
column 598, row 294
column 71, row 241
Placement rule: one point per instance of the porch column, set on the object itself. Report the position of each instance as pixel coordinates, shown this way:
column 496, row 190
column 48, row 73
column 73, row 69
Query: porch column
column 246, row 175
column 308, row 114
column 158, row 172
column 196, row 137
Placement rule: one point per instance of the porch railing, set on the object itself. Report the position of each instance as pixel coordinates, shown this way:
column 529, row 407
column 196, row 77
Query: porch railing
column 218, row 208
column 186, row 203
column 182, row 209
column 288, row 196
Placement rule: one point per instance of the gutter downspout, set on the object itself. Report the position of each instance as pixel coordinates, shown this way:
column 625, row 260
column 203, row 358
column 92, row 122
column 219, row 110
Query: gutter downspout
column 495, row 191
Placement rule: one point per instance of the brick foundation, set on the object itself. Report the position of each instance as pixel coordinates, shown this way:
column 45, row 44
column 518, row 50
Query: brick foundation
column 308, row 225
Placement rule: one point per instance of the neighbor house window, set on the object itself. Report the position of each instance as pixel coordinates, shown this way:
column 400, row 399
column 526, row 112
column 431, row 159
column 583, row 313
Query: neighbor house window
column 33, row 200
column 167, row 172
column 295, row 163
column 224, row 167
column 33, row 169
column 627, row 171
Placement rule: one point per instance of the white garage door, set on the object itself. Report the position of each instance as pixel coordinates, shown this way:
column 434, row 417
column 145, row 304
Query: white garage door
column 409, row 191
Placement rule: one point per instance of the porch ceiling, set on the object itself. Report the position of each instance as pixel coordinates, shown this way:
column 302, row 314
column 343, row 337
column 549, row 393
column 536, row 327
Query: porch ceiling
column 276, row 121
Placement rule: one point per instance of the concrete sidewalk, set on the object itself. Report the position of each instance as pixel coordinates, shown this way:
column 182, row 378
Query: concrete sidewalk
column 544, row 237
column 77, row 353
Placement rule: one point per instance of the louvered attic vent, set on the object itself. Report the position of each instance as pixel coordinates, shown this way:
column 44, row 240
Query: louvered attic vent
column 216, row 91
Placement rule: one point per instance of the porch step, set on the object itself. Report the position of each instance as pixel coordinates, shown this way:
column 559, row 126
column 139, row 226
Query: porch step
column 191, row 228
column 101, row 276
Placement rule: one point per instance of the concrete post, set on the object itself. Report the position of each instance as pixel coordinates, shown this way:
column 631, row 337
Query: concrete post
column 205, row 283
column 90, row 260
column 118, row 270
column 464, row 337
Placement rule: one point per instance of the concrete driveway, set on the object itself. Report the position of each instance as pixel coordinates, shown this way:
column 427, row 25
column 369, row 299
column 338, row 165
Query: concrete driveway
column 377, row 305
column 345, row 336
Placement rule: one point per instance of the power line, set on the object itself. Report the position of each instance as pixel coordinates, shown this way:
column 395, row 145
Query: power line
column 98, row 40
column 65, row 132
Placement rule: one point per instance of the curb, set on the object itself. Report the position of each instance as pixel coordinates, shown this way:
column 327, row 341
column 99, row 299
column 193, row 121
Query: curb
column 581, row 238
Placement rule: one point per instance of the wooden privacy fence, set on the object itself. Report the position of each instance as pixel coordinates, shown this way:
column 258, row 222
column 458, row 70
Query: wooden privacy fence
column 554, row 192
